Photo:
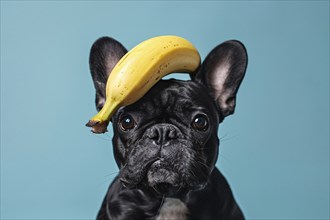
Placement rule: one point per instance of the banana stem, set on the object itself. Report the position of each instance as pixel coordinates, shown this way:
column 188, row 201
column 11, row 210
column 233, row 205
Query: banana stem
column 100, row 121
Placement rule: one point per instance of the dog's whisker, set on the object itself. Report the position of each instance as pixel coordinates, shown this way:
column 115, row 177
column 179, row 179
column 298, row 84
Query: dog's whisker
column 223, row 158
column 204, row 164
column 156, row 190
column 224, row 138
column 192, row 173
column 108, row 136
column 103, row 138
column 161, row 204
column 202, row 148
column 111, row 174
column 179, row 189
column 109, row 177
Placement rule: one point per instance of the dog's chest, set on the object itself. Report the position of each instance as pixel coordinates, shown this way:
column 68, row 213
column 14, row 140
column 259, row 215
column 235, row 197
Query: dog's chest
column 173, row 209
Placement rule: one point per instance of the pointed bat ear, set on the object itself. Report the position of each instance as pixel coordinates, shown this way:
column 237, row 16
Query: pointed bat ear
column 222, row 73
column 104, row 55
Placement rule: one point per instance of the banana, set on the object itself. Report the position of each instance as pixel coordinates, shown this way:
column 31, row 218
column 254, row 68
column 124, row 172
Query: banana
column 140, row 69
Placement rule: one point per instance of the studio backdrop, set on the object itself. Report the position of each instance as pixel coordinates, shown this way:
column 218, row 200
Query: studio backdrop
column 274, row 150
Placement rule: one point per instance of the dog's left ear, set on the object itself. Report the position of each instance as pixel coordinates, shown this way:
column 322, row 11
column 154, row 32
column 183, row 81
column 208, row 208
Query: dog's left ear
column 222, row 73
column 104, row 55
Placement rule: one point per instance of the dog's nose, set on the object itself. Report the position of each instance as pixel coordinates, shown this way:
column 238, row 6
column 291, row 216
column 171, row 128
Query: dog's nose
column 163, row 133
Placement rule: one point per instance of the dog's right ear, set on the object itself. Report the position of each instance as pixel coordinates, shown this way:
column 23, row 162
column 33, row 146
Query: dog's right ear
column 222, row 73
column 104, row 55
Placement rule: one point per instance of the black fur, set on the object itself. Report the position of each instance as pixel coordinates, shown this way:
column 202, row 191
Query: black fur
column 170, row 146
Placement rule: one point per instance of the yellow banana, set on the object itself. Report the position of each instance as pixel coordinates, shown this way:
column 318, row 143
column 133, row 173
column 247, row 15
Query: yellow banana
column 140, row 69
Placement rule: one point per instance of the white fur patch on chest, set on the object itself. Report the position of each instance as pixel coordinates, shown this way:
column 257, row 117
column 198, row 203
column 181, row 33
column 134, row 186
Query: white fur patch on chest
column 173, row 209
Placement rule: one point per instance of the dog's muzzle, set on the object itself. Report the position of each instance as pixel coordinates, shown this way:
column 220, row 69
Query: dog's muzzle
column 154, row 158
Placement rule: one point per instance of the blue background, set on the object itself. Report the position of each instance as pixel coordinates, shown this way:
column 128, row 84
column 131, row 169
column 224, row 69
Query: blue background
column 274, row 150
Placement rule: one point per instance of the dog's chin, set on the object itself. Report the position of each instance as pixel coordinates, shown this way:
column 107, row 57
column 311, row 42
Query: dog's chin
column 164, row 181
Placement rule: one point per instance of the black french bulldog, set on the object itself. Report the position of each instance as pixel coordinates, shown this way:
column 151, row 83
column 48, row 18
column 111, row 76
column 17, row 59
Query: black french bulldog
column 166, row 144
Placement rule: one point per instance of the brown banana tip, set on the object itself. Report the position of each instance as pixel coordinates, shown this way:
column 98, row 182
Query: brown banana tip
column 92, row 123
column 98, row 127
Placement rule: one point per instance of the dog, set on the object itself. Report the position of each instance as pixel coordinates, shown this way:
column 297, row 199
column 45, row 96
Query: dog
column 166, row 144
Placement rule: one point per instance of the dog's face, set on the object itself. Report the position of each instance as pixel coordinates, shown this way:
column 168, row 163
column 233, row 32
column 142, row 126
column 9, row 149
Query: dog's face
column 167, row 141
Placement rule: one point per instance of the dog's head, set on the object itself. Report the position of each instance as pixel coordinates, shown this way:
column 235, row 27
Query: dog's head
column 167, row 141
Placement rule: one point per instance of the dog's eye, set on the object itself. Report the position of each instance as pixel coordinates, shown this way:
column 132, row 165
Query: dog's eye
column 200, row 122
column 127, row 123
